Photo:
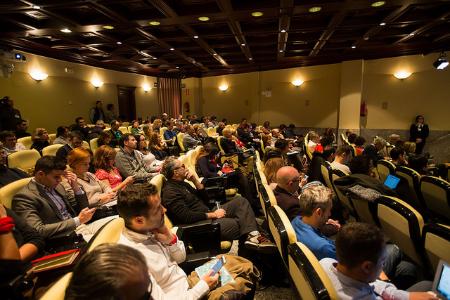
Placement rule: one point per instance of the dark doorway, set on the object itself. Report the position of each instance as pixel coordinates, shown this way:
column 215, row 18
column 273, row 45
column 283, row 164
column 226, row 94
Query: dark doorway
column 127, row 103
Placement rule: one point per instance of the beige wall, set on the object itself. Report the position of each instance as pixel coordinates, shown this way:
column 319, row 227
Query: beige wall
column 63, row 96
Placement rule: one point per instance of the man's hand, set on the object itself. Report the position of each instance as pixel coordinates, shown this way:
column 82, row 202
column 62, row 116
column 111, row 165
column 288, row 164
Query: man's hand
column 220, row 213
column 72, row 180
column 163, row 234
column 86, row 214
column 190, row 176
column 2, row 211
column 335, row 223
column 107, row 197
column 211, row 281
column 423, row 296
column 128, row 180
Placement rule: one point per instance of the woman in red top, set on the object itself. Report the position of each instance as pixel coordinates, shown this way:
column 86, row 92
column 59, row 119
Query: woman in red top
column 104, row 159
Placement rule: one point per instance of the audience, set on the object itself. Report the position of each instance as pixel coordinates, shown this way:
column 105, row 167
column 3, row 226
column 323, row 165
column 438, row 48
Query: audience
column 286, row 191
column 398, row 156
column 9, row 142
column 104, row 138
column 359, row 145
column 157, row 147
column 271, row 168
column 342, row 158
column 373, row 151
column 40, row 139
column 21, row 129
column 62, row 135
column 81, row 127
column 115, row 133
column 8, row 175
column 74, row 141
column 152, row 164
column 106, row 171
column 190, row 140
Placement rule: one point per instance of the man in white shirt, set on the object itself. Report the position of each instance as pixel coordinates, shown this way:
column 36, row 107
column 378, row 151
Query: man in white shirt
column 342, row 157
column 140, row 206
column 9, row 142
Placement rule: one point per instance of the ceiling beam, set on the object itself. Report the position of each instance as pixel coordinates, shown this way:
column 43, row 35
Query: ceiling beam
column 334, row 23
column 284, row 22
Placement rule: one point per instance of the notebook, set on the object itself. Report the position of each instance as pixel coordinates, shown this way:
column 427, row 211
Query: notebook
column 391, row 181
column 441, row 283
column 54, row 261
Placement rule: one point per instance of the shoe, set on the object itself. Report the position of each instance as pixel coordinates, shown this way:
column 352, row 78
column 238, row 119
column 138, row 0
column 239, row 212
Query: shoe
column 259, row 241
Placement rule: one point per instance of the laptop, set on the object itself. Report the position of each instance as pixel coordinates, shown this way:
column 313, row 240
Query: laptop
column 441, row 283
column 391, row 181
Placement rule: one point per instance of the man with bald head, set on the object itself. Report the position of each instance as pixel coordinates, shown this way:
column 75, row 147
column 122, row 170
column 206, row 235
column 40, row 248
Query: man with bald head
column 286, row 192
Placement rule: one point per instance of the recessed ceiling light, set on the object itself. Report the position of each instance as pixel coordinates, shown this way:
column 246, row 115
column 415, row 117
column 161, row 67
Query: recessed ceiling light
column 177, row 67
column 281, row 50
column 257, row 14
column 411, row 34
column 366, row 38
column 283, row 30
column 378, row 3
column 171, row 49
column 66, row 30
column 203, row 19
column 154, row 23
column 250, row 58
column 109, row 27
column 215, row 54
column 36, row 7
column 155, row 58
column 195, row 36
column 243, row 45
column 382, row 24
column 119, row 43
column 315, row 9
column 353, row 47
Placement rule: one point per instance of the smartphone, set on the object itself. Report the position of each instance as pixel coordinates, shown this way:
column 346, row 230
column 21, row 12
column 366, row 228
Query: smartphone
column 219, row 264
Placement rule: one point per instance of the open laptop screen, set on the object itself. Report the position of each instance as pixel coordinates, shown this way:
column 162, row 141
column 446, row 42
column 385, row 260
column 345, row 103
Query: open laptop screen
column 391, row 181
column 441, row 284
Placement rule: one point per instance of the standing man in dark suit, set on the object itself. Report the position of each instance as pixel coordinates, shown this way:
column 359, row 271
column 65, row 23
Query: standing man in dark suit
column 418, row 133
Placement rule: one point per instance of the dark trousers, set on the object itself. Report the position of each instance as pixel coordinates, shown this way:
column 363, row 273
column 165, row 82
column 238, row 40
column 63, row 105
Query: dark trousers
column 239, row 219
column 402, row 273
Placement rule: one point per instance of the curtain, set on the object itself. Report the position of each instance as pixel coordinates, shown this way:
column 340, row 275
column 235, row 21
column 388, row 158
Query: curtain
column 169, row 96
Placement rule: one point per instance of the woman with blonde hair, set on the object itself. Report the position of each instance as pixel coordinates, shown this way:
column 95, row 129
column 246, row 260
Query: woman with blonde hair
column 106, row 171
column 271, row 168
column 97, row 191
column 40, row 139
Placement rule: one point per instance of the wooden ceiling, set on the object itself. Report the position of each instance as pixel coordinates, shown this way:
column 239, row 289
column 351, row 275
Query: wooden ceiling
column 118, row 35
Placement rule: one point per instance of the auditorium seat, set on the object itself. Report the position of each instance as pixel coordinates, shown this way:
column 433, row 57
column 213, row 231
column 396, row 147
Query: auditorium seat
column 51, row 150
column 58, row 290
column 26, row 141
column 8, row 191
column 343, row 199
column 24, row 160
column 85, row 145
column 158, row 181
column 413, row 178
column 123, row 129
column 385, row 168
column 365, row 210
column 51, row 137
column 282, row 231
column 109, row 233
column 180, row 137
column 94, row 144
column 305, row 144
column 325, row 169
column 307, row 274
column 436, row 239
column 403, row 225
column 435, row 193
column 212, row 132
column 267, row 198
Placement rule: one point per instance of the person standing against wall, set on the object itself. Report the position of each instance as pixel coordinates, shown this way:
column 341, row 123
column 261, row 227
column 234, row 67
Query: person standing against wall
column 418, row 133
column 97, row 112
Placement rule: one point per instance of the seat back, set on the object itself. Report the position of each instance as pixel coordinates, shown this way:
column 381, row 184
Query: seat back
column 403, row 225
column 211, row 131
column 267, row 198
column 24, row 160
column 51, row 137
column 8, row 191
column 180, row 137
column 412, row 177
column 310, row 279
column 343, row 199
column 436, row 239
column 365, row 210
column 282, row 231
column 344, row 139
column 435, row 193
column 325, row 169
column 307, row 152
column 219, row 138
column 125, row 124
column 51, row 150
column 94, row 144
column 385, row 168
column 58, row 290
column 158, row 181
column 26, row 141
column 123, row 129
column 110, row 233
column 85, row 145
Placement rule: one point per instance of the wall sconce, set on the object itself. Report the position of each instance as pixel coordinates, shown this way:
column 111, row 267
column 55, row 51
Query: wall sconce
column 402, row 75
column 223, row 87
column 38, row 75
column 146, row 87
column 96, row 82
column 297, row 82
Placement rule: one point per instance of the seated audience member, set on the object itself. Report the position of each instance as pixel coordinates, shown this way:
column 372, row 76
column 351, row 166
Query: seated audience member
column 271, row 168
column 40, row 139
column 314, row 142
column 359, row 145
column 419, row 163
column 21, row 129
column 170, row 133
column 81, row 127
column 95, row 131
column 156, row 125
column 110, row 115
column 361, row 253
column 147, row 131
column 28, row 240
column 220, row 127
column 157, row 147
column 315, row 210
column 49, row 208
column 105, row 139
column 185, row 205
column 286, row 192
column 351, row 138
column 9, row 142
column 74, row 141
column 373, row 151
column 145, row 230
column 410, row 149
column 200, row 132
column 116, row 134
column 281, row 148
column 190, row 140
column 398, row 156
column 111, row 271
column 8, row 175
column 106, row 171
column 243, row 132
column 329, row 132
column 135, row 130
column 318, row 159
column 151, row 163
column 266, row 125
column 97, row 191
column 130, row 162
column 62, row 135
column 289, row 132
column 342, row 158
column 276, row 135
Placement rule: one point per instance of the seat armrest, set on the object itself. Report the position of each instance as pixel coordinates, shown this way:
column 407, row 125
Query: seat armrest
column 201, row 236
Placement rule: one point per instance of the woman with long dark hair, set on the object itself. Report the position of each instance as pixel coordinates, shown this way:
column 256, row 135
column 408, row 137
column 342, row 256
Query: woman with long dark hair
column 418, row 133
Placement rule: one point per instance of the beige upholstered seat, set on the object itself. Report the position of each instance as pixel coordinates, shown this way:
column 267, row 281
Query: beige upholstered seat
column 51, row 150
column 110, row 233
column 307, row 273
column 437, row 243
column 58, row 290
column 24, row 160
column 403, row 225
column 51, row 137
column 343, row 199
column 307, row 152
column 85, row 145
column 158, row 181
column 26, row 141
column 364, row 210
column 325, row 170
column 123, row 129
column 436, row 195
column 266, row 198
column 94, row 145
column 8, row 191
column 385, row 168
column 180, row 137
column 412, row 177
column 282, row 231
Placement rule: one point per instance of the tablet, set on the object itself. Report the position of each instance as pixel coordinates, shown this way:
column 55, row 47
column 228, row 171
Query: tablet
column 441, row 283
column 391, row 181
